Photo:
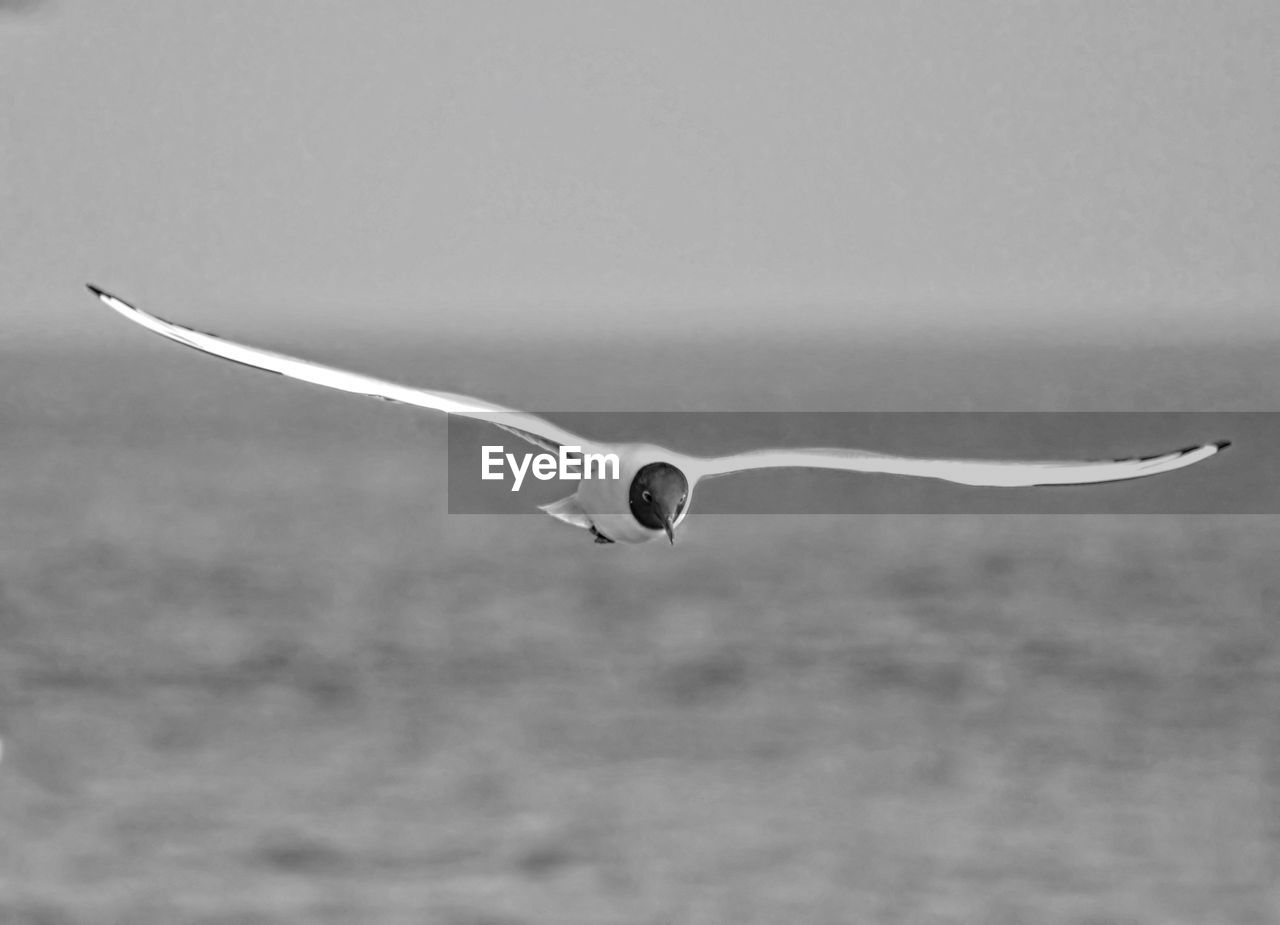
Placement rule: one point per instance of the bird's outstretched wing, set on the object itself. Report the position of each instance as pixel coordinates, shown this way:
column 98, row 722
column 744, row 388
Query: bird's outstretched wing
column 526, row 426
column 984, row 472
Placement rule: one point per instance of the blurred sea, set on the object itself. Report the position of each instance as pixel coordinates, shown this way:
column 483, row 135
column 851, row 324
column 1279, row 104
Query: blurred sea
column 250, row 671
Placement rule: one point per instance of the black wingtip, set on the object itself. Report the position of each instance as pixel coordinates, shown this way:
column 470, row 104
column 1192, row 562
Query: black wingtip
column 95, row 290
column 1218, row 446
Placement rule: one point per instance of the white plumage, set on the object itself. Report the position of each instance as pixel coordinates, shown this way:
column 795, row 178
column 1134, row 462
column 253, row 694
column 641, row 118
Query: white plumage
column 647, row 500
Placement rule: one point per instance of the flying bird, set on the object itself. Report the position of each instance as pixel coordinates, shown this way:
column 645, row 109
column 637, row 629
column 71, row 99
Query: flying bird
column 651, row 494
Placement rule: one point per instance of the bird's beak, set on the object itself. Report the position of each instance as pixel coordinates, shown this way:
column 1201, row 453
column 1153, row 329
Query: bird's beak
column 670, row 528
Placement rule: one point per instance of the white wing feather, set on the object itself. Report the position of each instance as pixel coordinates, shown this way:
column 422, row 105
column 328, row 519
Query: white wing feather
column 526, row 426
column 983, row 472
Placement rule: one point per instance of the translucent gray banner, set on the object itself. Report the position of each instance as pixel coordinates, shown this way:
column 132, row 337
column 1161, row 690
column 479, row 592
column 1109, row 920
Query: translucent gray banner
column 494, row 472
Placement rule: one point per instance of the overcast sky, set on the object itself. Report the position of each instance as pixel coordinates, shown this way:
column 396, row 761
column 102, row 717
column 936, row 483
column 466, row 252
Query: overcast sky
column 1101, row 168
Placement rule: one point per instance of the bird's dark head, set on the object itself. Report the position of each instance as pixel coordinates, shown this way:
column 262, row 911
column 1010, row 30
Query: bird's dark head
column 659, row 493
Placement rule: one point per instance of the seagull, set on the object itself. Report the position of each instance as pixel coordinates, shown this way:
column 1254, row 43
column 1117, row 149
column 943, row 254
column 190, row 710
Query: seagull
column 651, row 493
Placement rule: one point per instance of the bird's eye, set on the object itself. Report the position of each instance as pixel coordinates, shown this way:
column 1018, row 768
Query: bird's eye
column 646, row 497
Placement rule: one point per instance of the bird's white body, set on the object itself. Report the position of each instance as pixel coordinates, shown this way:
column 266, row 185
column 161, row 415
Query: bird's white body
column 606, row 502
column 608, row 506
